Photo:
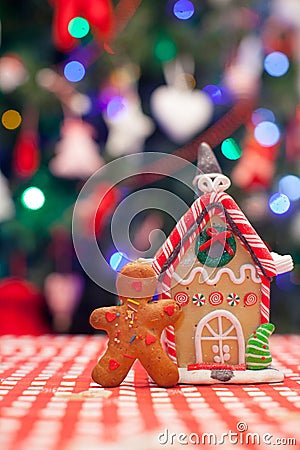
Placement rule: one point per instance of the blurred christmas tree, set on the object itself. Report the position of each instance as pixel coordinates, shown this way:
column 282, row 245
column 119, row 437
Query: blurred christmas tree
column 82, row 83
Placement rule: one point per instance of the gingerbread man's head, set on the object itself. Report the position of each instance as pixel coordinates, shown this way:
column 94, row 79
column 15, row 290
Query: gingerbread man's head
column 136, row 280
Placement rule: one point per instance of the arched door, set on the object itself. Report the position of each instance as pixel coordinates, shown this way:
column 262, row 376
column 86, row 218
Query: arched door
column 219, row 339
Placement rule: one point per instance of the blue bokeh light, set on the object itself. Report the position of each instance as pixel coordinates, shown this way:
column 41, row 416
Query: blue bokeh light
column 214, row 92
column 116, row 108
column 218, row 94
column 118, row 260
column 284, row 282
column 279, row 203
column 276, row 64
column 74, row 71
column 183, row 9
column 105, row 96
column 262, row 115
column 267, row 133
column 290, row 186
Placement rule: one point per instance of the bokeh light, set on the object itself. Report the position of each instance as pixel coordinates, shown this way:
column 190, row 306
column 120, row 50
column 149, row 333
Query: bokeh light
column 74, row 71
column 262, row 115
column 185, row 81
column 33, row 198
column 276, row 64
column 11, row 119
column 81, row 104
column 78, row 27
column 105, row 96
column 183, row 9
column 279, row 203
column 284, row 282
column 219, row 94
column 231, row 149
column 116, row 108
column 290, row 186
column 118, row 260
column 214, row 92
column 267, row 133
column 165, row 50
column 295, row 275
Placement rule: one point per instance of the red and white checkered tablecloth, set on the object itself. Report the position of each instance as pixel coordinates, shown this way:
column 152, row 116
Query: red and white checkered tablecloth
column 49, row 402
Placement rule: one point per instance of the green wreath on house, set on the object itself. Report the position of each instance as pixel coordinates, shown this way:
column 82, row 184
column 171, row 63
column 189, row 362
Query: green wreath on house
column 215, row 246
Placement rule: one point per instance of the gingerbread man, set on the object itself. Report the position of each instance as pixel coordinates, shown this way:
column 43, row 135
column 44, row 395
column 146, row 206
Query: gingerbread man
column 134, row 328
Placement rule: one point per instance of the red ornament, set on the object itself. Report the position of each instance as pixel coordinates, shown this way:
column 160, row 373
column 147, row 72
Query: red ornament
column 256, row 167
column 22, row 308
column 99, row 14
column 26, row 154
column 279, row 36
column 106, row 206
column 93, row 212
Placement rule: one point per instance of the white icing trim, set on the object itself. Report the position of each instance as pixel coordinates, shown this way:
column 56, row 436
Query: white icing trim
column 212, row 182
column 203, row 376
column 146, row 260
column 283, row 263
column 220, row 335
column 211, row 281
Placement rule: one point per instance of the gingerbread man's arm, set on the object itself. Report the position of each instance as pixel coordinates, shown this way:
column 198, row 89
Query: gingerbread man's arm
column 166, row 312
column 102, row 318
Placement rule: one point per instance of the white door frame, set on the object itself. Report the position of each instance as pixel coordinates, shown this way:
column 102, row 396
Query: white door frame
column 222, row 335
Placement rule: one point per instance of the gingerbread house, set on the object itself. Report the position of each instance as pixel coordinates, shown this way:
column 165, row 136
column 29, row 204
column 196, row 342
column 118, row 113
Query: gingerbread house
column 218, row 268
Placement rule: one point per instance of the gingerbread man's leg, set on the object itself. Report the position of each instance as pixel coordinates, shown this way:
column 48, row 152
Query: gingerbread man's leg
column 111, row 369
column 159, row 366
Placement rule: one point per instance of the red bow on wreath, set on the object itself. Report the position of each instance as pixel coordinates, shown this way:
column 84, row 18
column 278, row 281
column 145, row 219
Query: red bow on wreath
column 99, row 14
column 216, row 236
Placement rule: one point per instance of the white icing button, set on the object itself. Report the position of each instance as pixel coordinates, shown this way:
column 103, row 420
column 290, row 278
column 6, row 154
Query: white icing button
column 215, row 348
column 217, row 359
column 226, row 357
column 226, row 348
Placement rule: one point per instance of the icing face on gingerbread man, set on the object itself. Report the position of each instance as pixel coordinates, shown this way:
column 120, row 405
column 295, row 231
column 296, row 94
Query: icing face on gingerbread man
column 134, row 329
